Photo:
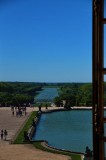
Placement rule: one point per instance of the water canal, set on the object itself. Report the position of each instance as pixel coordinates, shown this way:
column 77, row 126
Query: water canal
column 46, row 95
column 70, row 130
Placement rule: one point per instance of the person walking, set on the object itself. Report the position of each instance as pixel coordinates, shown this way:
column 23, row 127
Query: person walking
column 13, row 113
column 46, row 106
column 2, row 134
column 5, row 134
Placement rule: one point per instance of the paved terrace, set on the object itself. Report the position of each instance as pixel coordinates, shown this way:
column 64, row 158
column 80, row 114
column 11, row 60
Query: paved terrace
column 20, row 152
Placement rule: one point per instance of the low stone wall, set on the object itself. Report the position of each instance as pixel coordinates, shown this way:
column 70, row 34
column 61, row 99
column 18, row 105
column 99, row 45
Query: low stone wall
column 46, row 145
column 63, row 150
column 32, row 129
column 55, row 110
column 31, row 132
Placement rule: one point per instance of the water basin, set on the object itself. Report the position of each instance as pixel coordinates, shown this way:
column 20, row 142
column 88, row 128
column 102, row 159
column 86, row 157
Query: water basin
column 69, row 130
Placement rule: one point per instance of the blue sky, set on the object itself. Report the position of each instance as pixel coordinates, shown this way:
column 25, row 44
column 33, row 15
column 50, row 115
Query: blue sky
column 46, row 40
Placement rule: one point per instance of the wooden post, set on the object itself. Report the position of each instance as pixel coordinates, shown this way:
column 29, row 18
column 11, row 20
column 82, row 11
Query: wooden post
column 98, row 79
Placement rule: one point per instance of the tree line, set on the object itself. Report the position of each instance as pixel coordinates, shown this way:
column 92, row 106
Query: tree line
column 73, row 94
column 18, row 93
column 76, row 94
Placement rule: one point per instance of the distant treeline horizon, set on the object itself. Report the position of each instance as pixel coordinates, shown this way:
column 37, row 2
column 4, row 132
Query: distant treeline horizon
column 20, row 93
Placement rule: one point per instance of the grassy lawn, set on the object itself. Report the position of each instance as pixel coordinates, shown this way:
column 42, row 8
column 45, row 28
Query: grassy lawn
column 19, row 140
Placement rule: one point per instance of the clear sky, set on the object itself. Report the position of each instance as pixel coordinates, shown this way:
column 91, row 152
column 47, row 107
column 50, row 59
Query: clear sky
column 46, row 40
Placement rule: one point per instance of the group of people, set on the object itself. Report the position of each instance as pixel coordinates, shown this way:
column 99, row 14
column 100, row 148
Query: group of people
column 19, row 111
column 4, row 134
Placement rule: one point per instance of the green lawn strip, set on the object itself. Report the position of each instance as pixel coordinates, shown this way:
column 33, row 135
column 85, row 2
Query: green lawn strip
column 72, row 155
column 19, row 139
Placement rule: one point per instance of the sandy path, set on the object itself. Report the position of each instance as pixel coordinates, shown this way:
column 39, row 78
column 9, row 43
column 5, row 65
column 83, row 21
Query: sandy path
column 26, row 152
column 20, row 152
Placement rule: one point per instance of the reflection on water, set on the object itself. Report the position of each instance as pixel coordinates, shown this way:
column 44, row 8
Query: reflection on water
column 71, row 130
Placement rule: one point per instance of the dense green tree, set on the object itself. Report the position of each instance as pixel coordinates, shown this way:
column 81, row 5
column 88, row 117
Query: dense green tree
column 57, row 101
column 76, row 94
column 18, row 93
